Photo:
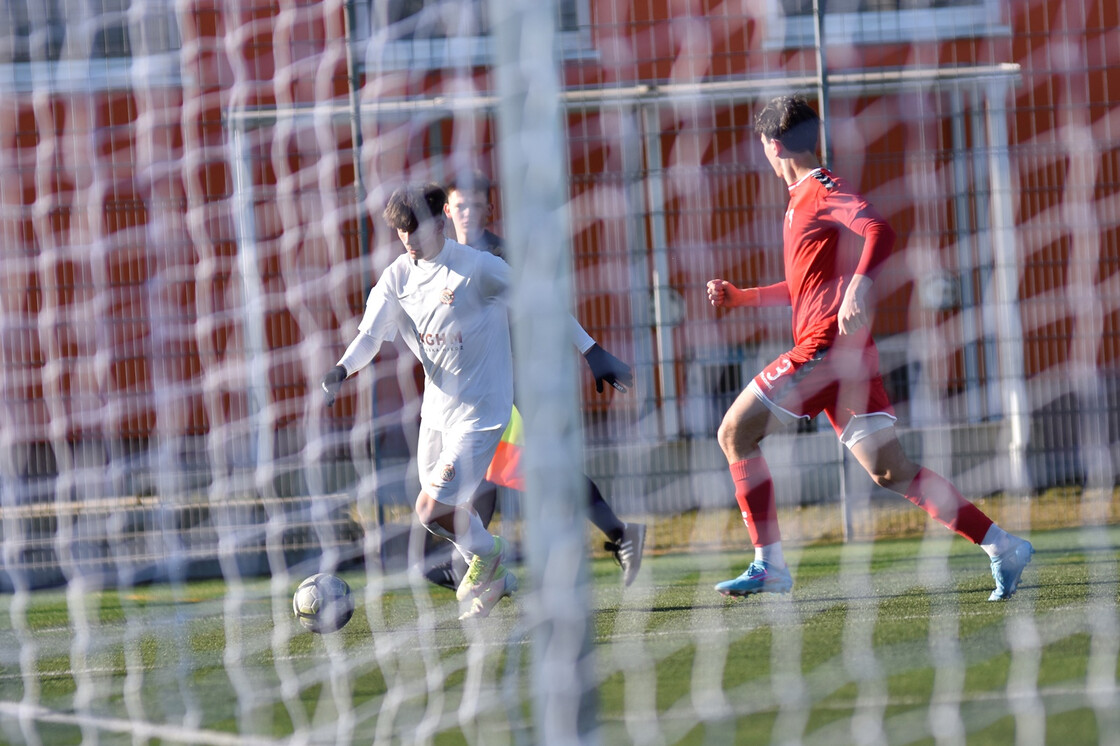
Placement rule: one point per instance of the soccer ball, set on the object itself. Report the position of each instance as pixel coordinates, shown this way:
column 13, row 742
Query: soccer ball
column 323, row 603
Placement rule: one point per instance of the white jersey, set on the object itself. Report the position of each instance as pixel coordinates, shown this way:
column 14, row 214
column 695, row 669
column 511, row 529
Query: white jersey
column 492, row 243
column 452, row 314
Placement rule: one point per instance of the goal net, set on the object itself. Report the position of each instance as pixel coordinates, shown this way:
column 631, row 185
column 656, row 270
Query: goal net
column 190, row 208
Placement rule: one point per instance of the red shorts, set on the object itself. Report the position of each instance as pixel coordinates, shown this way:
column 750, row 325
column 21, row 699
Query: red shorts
column 842, row 382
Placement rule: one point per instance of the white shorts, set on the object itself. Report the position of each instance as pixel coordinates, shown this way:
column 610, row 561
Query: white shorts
column 858, row 427
column 452, row 465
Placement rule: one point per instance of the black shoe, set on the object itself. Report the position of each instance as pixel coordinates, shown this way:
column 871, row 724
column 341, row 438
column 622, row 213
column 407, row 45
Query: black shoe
column 628, row 550
column 443, row 574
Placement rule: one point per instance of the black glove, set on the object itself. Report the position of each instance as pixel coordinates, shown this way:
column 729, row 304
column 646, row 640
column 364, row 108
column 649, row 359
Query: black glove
column 607, row 367
column 332, row 382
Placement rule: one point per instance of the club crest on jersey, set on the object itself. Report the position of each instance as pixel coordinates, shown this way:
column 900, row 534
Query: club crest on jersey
column 447, row 473
column 447, row 296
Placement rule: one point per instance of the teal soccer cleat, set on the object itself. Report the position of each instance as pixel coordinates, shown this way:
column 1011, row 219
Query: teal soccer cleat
column 760, row 577
column 1007, row 568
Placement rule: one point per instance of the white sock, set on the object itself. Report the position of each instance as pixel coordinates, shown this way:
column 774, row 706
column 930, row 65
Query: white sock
column 771, row 554
column 996, row 541
column 476, row 539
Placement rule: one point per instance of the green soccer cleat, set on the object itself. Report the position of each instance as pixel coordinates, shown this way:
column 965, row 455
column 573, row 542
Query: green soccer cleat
column 760, row 577
column 1007, row 568
column 503, row 584
column 481, row 570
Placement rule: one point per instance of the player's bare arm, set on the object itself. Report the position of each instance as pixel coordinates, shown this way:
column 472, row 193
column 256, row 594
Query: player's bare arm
column 855, row 308
column 722, row 294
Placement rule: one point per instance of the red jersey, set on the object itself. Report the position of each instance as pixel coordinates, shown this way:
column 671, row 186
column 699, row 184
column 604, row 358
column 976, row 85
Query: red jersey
column 816, row 271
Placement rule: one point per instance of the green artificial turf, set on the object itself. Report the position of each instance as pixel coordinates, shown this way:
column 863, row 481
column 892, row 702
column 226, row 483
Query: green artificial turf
column 894, row 636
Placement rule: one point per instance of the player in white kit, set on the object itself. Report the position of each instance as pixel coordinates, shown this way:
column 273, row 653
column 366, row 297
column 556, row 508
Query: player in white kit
column 469, row 209
column 447, row 301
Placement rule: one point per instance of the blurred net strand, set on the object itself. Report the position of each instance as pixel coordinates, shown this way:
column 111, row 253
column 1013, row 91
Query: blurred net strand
column 790, row 687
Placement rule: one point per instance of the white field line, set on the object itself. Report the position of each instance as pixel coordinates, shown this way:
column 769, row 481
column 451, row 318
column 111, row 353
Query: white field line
column 139, row 730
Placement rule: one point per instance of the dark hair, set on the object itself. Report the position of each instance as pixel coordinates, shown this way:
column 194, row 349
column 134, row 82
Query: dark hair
column 473, row 180
column 409, row 206
column 791, row 121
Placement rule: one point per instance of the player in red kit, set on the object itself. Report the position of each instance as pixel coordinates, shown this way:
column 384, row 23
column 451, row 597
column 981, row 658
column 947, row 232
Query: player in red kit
column 833, row 366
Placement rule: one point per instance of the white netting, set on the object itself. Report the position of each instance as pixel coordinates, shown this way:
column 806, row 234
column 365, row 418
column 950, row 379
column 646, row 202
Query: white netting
column 190, row 210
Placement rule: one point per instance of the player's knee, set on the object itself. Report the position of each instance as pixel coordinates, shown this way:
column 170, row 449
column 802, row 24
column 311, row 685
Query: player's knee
column 736, row 438
column 725, row 435
column 428, row 510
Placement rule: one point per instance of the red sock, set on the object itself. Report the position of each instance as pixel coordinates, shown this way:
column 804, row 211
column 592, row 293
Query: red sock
column 754, row 491
column 937, row 496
